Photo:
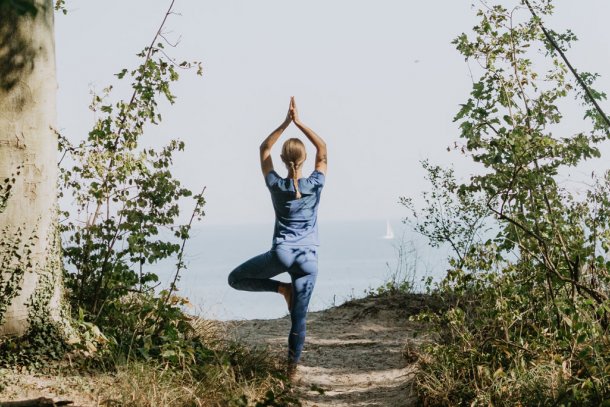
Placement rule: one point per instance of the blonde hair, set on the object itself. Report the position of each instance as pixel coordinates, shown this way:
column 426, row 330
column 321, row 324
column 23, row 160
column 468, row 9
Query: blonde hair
column 293, row 155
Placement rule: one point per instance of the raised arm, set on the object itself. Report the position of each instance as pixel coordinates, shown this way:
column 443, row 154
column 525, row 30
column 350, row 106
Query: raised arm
column 321, row 154
column 265, row 148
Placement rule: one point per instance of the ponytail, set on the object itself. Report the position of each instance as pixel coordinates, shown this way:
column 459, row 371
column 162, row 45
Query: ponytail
column 293, row 155
column 293, row 167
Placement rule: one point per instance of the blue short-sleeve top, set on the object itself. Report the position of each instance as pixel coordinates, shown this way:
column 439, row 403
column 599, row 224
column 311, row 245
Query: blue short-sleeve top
column 296, row 220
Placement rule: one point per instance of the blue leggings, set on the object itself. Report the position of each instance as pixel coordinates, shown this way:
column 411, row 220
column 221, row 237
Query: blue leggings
column 301, row 262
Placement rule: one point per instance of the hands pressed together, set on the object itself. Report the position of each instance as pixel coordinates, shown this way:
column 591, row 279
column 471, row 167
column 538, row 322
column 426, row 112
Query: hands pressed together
column 292, row 116
column 293, row 113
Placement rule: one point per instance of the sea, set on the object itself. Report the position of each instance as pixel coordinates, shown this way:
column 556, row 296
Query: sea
column 354, row 258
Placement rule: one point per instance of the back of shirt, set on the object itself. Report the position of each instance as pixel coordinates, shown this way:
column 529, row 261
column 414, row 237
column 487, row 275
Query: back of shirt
column 296, row 220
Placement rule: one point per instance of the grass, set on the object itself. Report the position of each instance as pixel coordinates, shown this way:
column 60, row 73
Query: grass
column 234, row 375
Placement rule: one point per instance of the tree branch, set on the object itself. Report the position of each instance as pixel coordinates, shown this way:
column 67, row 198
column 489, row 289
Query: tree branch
column 554, row 44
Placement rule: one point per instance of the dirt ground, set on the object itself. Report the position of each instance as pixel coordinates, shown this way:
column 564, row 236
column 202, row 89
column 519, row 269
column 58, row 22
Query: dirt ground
column 354, row 354
column 80, row 389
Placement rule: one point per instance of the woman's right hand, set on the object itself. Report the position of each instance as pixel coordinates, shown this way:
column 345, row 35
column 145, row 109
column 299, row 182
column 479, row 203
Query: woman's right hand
column 288, row 118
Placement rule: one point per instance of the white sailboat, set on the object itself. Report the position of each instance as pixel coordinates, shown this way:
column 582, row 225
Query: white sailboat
column 389, row 233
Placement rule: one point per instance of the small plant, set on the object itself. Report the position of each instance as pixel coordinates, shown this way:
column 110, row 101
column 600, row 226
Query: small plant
column 402, row 275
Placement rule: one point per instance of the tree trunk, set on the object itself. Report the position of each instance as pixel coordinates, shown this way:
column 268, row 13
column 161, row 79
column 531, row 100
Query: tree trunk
column 28, row 151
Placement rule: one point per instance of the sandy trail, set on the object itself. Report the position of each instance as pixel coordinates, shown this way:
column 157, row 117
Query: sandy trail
column 353, row 356
column 354, row 353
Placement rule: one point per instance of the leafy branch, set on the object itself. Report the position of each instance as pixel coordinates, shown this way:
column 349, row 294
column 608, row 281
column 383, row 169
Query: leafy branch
column 123, row 190
column 591, row 97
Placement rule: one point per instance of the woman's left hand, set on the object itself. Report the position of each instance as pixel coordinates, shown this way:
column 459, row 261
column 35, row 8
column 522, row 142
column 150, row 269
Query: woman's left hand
column 288, row 118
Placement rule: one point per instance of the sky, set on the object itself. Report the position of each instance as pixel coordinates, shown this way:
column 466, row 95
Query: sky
column 379, row 81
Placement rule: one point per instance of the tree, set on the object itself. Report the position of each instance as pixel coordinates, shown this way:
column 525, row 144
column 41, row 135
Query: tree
column 32, row 272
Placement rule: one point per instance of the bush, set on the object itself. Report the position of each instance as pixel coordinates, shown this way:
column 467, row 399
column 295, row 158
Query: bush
column 202, row 368
column 527, row 292
column 126, row 201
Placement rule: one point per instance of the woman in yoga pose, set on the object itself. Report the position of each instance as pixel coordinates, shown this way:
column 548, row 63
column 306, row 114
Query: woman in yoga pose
column 295, row 237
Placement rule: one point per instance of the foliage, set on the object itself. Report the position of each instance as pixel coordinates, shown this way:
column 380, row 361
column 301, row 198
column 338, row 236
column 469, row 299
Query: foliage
column 21, row 7
column 529, row 307
column 46, row 336
column 123, row 219
column 5, row 191
column 232, row 375
column 16, row 249
column 449, row 216
column 15, row 253
column 60, row 5
column 15, row 261
column 25, row 7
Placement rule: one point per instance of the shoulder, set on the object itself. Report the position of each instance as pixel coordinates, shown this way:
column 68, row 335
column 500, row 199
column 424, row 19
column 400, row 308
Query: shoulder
column 272, row 178
column 317, row 178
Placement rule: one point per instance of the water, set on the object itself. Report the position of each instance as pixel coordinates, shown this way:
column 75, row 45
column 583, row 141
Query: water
column 353, row 257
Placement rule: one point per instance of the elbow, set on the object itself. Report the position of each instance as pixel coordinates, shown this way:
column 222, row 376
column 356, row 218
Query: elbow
column 264, row 147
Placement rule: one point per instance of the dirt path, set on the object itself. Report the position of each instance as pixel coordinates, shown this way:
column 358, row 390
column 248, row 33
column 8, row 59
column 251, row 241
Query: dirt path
column 354, row 353
column 353, row 356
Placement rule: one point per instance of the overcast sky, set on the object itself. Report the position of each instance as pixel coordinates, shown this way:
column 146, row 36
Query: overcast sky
column 378, row 80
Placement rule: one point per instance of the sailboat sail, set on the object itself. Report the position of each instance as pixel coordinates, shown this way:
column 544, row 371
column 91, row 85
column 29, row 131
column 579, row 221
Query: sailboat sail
column 389, row 233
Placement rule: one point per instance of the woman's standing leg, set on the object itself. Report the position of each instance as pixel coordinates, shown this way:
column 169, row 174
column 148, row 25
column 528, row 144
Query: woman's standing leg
column 303, row 274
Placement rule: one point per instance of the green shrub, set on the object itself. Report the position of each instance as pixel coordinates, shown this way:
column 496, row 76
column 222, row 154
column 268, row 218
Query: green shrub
column 527, row 293
column 127, row 200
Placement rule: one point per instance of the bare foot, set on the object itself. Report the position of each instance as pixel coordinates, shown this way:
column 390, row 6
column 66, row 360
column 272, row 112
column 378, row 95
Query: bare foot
column 286, row 290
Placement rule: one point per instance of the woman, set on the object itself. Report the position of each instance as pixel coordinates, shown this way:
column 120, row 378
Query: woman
column 295, row 237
